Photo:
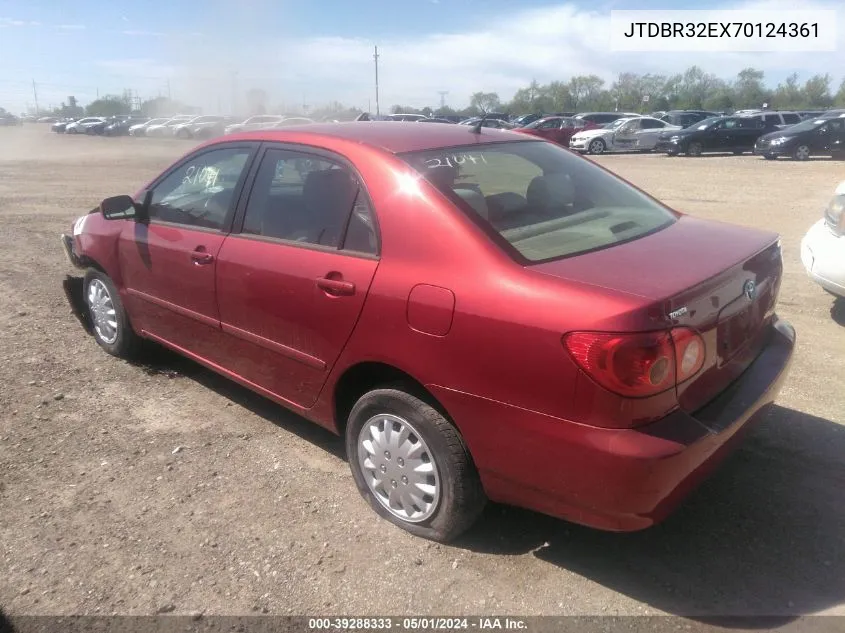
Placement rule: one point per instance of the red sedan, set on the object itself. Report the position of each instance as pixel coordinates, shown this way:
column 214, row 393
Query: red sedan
column 557, row 128
column 481, row 314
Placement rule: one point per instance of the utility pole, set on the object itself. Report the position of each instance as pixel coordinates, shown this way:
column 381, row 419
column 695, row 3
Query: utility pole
column 443, row 94
column 35, row 94
column 375, row 57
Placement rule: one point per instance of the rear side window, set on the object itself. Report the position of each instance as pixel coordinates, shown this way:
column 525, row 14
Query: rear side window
column 539, row 201
column 302, row 198
column 791, row 118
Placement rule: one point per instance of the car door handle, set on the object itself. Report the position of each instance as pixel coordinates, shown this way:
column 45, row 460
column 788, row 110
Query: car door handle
column 201, row 257
column 336, row 287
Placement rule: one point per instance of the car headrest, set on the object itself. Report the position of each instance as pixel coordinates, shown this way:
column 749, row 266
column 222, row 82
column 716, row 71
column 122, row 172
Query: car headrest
column 550, row 192
column 474, row 199
column 442, row 176
column 329, row 192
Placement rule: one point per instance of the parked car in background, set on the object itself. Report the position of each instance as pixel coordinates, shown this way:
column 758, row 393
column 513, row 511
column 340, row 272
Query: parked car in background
column 60, row 126
column 122, row 126
column 193, row 128
column 405, row 117
column 811, row 137
column 602, row 118
column 810, row 114
column 97, row 129
column 735, row 134
column 556, row 128
column 257, row 122
column 499, row 124
column 685, row 118
column 139, row 129
column 436, row 120
column 166, row 129
column 772, row 120
column 527, row 119
column 47, row 119
column 623, row 135
column 292, row 121
column 823, row 247
column 7, row 119
column 79, row 127
column 595, row 359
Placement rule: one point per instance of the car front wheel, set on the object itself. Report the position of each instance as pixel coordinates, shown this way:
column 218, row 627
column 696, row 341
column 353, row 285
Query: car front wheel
column 596, row 146
column 108, row 318
column 802, row 152
column 694, row 149
column 412, row 466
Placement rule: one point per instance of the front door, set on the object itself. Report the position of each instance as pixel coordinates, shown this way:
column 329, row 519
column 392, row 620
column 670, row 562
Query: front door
column 168, row 264
column 293, row 282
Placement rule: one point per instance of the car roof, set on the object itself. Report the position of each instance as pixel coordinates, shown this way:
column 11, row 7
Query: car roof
column 395, row 137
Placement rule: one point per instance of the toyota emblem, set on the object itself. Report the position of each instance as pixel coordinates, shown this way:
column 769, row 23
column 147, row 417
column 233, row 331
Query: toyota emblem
column 750, row 290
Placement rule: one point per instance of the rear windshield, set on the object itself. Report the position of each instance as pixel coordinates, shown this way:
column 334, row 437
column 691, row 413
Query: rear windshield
column 539, row 200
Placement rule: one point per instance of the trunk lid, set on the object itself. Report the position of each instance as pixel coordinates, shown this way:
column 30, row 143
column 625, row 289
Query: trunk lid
column 719, row 279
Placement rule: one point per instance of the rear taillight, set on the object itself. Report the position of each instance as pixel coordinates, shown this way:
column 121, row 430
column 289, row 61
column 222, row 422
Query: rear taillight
column 637, row 365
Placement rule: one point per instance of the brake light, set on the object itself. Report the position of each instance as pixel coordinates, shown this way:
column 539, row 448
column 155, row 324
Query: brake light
column 637, row 365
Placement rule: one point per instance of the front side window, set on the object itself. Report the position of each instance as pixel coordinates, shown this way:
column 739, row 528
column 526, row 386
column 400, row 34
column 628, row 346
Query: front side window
column 540, row 201
column 302, row 198
column 201, row 191
column 652, row 124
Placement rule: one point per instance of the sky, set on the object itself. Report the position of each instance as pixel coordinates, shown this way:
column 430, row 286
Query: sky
column 311, row 52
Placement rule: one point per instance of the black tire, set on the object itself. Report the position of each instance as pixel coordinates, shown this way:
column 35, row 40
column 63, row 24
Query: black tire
column 461, row 499
column 671, row 154
column 127, row 343
column 694, row 149
column 769, row 156
column 596, row 146
column 802, row 152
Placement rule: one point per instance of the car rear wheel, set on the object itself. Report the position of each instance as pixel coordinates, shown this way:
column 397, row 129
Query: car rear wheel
column 694, row 149
column 107, row 316
column 412, row 466
column 596, row 146
column 802, row 152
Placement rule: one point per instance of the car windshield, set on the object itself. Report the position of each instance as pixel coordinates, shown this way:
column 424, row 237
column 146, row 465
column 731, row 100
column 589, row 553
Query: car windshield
column 807, row 125
column 540, row 201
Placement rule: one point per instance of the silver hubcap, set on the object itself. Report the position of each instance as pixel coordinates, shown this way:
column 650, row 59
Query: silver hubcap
column 102, row 311
column 596, row 147
column 802, row 152
column 398, row 467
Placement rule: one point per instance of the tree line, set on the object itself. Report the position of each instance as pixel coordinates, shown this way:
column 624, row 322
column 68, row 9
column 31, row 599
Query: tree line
column 693, row 89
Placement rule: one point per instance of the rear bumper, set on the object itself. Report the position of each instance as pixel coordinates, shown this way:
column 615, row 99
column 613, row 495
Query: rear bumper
column 823, row 256
column 613, row 479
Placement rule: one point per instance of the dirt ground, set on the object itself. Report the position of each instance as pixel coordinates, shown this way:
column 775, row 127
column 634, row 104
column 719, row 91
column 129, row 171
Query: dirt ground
column 257, row 511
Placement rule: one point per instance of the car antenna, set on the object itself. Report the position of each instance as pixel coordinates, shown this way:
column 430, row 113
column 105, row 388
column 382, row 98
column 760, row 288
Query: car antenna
column 476, row 129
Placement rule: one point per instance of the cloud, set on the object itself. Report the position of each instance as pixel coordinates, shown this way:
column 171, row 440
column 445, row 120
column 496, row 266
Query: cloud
column 502, row 53
column 71, row 27
column 11, row 22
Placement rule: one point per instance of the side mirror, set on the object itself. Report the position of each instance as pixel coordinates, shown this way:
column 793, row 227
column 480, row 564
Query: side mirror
column 124, row 208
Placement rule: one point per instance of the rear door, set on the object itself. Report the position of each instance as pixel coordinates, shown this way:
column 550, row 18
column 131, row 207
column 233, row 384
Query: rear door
column 293, row 280
column 748, row 130
column 837, row 137
column 168, row 265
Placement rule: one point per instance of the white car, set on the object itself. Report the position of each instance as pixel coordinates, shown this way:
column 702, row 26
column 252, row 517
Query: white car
column 623, row 135
column 166, row 128
column 823, row 247
column 138, row 128
column 258, row 122
column 78, row 127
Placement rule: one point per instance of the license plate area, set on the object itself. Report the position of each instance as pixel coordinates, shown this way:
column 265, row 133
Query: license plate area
column 741, row 327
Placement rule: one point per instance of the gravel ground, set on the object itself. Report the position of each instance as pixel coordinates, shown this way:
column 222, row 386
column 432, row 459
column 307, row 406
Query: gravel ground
column 136, row 489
